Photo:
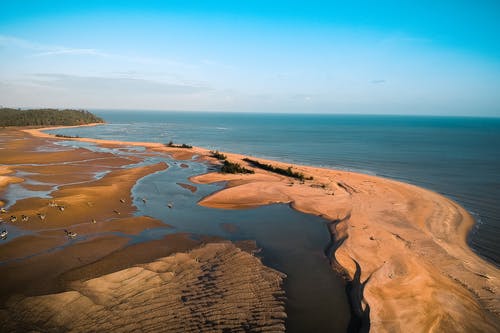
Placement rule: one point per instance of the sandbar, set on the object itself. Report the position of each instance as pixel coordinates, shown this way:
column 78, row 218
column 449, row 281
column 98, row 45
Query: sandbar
column 406, row 245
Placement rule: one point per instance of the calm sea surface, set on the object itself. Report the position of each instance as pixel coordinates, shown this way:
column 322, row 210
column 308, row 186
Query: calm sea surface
column 457, row 157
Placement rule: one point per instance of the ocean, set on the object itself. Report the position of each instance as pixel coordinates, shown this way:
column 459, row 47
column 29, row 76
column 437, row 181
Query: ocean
column 458, row 157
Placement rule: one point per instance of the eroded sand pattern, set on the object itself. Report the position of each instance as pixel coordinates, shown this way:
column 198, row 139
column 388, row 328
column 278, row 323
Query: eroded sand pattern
column 216, row 287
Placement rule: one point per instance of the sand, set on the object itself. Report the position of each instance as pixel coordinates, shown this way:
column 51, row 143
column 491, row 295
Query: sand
column 92, row 207
column 410, row 244
column 405, row 244
column 215, row 288
column 99, row 281
column 188, row 187
column 5, row 179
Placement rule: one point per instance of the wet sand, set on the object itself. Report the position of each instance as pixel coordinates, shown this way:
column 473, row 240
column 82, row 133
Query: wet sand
column 188, row 187
column 92, row 207
column 216, row 287
column 90, row 194
column 404, row 244
column 5, row 180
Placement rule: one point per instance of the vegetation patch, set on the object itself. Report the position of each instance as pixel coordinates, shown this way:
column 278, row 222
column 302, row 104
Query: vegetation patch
column 172, row 145
column 285, row 172
column 46, row 117
column 66, row 136
column 230, row 167
column 217, row 155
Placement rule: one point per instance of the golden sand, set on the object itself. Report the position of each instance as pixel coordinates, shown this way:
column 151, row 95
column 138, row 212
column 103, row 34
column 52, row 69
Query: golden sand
column 409, row 242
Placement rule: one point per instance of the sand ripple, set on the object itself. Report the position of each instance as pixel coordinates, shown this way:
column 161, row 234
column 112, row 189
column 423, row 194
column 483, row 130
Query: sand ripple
column 217, row 287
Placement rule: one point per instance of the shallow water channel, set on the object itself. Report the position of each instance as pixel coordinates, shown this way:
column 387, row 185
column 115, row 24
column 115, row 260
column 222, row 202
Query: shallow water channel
column 291, row 242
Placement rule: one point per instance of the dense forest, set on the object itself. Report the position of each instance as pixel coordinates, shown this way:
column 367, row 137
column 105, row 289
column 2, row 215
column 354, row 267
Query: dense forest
column 46, row 117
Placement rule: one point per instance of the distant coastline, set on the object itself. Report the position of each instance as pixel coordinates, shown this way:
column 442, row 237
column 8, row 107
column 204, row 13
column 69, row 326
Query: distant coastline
column 46, row 117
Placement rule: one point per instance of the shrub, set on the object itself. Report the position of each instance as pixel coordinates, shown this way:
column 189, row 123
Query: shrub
column 172, row 145
column 285, row 172
column 230, row 167
column 218, row 155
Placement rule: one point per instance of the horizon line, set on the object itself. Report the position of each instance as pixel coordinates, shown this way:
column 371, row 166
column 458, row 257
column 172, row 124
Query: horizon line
column 421, row 115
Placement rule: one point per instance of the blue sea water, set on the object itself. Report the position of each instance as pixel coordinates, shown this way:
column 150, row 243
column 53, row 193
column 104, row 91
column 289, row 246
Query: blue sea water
column 457, row 157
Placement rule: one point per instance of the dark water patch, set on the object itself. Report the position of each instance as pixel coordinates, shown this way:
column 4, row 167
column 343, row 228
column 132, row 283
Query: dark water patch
column 360, row 317
column 229, row 227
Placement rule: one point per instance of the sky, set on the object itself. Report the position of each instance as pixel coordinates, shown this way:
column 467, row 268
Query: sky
column 369, row 57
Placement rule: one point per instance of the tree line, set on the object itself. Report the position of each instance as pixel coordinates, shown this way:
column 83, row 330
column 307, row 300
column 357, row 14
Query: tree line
column 46, row 117
column 285, row 172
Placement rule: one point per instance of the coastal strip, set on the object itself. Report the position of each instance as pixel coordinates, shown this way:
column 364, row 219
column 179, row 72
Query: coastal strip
column 405, row 244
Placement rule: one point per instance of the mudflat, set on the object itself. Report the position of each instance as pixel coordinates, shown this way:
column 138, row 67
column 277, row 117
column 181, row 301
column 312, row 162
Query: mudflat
column 71, row 251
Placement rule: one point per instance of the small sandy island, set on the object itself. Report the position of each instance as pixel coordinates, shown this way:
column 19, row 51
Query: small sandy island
column 402, row 247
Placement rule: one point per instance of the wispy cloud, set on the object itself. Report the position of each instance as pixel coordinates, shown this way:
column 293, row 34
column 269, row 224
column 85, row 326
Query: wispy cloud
column 62, row 51
column 65, row 90
column 114, row 85
column 378, row 81
column 46, row 50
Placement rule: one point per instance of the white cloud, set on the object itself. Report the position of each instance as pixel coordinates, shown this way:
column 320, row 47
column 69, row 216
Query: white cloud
column 46, row 50
column 61, row 90
column 103, row 85
column 61, row 51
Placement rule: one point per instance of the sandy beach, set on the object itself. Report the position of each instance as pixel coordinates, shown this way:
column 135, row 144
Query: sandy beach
column 402, row 247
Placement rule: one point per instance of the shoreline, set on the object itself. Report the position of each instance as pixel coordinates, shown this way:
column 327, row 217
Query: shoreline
column 398, row 234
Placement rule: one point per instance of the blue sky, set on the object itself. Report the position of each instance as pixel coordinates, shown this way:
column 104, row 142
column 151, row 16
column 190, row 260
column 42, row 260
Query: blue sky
column 389, row 57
